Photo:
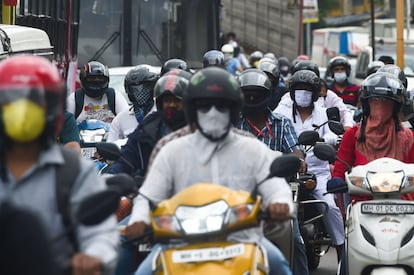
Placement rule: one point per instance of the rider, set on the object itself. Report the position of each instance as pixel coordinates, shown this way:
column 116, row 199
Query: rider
column 213, row 101
column 327, row 98
column 276, row 131
column 31, row 111
column 271, row 69
column 96, row 103
column 254, row 58
column 304, row 89
column 380, row 133
column 232, row 64
column 340, row 70
column 284, row 68
column 168, row 92
column 139, row 85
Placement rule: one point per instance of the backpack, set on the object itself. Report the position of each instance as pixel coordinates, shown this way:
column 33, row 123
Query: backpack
column 80, row 97
column 66, row 174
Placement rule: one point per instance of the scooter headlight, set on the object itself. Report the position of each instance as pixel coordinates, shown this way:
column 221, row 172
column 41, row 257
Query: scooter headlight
column 383, row 182
column 202, row 219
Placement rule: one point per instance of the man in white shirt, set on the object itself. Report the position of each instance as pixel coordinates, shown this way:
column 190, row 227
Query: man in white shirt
column 304, row 88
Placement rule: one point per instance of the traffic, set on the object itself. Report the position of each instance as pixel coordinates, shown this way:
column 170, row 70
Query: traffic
column 136, row 137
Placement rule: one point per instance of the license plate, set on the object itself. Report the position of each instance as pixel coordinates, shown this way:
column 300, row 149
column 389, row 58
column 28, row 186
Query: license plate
column 387, row 209
column 88, row 152
column 207, row 254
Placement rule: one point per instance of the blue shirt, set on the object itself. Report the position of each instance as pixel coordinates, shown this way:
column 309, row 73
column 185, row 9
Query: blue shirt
column 232, row 65
column 281, row 137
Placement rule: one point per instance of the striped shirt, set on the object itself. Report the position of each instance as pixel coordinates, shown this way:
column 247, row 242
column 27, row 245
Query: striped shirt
column 279, row 136
column 350, row 95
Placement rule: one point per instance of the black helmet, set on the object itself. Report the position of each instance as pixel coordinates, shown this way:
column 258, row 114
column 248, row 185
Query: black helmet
column 253, row 79
column 94, row 78
column 257, row 90
column 174, row 63
column 339, row 61
column 305, row 77
column 284, row 65
column 139, row 85
column 254, row 58
column 396, row 71
column 384, row 85
column 169, row 84
column 216, row 84
column 179, row 72
column 269, row 68
column 213, row 58
column 306, row 65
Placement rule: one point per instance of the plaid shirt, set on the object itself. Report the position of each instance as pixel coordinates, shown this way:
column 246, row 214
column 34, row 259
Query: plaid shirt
column 282, row 136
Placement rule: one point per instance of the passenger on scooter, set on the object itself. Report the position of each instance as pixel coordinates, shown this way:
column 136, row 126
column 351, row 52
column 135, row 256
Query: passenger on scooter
column 139, row 85
column 168, row 92
column 215, row 154
column 304, row 88
column 32, row 98
column 274, row 130
column 97, row 96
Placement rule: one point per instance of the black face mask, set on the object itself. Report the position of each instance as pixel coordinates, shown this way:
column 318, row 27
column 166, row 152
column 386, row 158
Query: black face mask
column 258, row 108
column 173, row 118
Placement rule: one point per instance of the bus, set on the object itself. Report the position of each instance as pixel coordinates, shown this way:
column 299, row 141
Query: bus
column 122, row 32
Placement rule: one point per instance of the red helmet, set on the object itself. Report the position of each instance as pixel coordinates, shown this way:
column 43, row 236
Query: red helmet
column 35, row 80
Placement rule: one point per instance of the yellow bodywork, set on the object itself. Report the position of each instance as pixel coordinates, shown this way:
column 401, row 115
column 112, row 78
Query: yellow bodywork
column 201, row 194
column 253, row 261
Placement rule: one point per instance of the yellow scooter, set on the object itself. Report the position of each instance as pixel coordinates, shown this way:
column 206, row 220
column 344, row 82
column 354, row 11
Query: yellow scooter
column 199, row 219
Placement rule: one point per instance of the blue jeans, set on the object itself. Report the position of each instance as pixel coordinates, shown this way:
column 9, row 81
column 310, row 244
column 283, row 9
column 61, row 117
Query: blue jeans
column 125, row 263
column 277, row 262
column 300, row 260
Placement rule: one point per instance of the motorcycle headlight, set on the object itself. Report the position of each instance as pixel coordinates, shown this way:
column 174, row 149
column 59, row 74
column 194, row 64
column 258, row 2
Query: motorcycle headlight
column 385, row 182
column 360, row 182
column 202, row 219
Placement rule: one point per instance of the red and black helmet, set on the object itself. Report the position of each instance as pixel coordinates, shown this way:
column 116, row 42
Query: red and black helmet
column 94, row 78
column 38, row 80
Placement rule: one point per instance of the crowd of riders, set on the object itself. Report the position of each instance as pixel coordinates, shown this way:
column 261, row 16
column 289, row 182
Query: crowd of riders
column 221, row 123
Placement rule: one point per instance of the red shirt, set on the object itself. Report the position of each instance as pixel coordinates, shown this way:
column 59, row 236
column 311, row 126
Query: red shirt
column 350, row 95
column 349, row 153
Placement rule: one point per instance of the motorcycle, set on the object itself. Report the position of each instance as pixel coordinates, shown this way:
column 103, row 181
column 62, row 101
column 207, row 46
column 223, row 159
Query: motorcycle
column 379, row 232
column 199, row 219
column 91, row 132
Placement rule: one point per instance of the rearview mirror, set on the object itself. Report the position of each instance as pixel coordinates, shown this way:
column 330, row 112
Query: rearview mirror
column 325, row 151
column 308, row 138
column 336, row 127
column 97, row 207
column 285, row 166
column 107, row 150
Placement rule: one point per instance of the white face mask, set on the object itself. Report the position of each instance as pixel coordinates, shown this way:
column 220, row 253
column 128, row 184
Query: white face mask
column 214, row 123
column 340, row 77
column 303, row 98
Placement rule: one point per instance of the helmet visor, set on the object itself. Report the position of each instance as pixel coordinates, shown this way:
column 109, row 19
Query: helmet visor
column 383, row 86
column 36, row 95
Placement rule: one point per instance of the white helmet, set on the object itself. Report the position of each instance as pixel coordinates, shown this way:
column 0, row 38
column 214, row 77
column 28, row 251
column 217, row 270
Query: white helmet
column 227, row 48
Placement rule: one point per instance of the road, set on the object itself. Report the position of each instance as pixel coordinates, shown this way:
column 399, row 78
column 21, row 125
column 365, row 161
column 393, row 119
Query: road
column 328, row 264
